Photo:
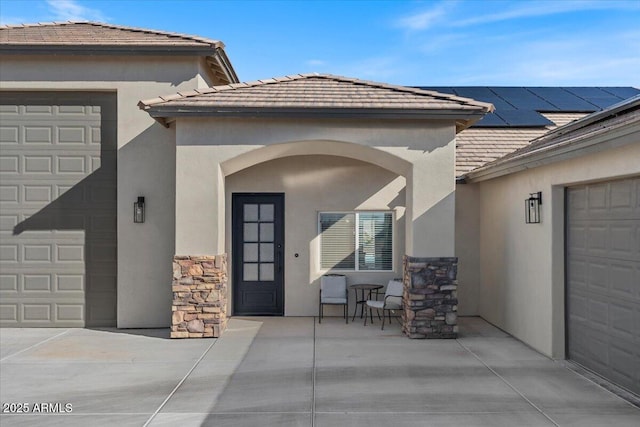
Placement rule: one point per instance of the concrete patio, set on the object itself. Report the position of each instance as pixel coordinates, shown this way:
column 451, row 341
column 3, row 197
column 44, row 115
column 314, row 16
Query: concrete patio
column 295, row 372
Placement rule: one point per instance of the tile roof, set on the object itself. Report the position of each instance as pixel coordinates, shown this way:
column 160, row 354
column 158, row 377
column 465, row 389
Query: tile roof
column 570, row 135
column 96, row 34
column 316, row 92
column 478, row 146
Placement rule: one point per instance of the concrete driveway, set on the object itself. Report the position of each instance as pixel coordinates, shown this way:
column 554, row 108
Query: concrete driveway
column 294, row 372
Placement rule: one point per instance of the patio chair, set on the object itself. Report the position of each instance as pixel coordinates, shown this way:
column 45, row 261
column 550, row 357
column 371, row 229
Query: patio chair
column 333, row 291
column 392, row 301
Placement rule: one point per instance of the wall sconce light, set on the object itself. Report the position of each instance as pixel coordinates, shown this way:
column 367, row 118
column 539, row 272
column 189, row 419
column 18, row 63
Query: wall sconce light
column 532, row 208
column 138, row 210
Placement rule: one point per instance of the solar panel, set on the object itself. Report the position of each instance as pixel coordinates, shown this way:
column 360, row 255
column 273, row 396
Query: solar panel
column 522, row 99
column 622, row 92
column 604, row 101
column 588, row 92
column 484, row 94
column 491, row 120
column 521, row 106
column 563, row 100
column 523, row 118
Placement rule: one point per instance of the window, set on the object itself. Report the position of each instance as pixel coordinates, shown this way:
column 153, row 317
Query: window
column 360, row 241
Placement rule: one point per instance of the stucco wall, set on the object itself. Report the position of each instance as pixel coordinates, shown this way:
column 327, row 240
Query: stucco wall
column 468, row 248
column 146, row 162
column 209, row 149
column 521, row 265
column 347, row 185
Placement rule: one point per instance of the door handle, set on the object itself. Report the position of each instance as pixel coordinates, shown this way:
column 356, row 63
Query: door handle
column 279, row 259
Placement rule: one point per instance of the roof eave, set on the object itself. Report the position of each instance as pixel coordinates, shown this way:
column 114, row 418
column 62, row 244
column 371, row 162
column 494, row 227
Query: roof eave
column 462, row 117
column 215, row 55
column 75, row 49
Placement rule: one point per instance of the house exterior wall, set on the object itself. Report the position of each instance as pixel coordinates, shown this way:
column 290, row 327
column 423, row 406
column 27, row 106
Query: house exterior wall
column 347, row 185
column 468, row 248
column 212, row 153
column 206, row 149
column 521, row 265
column 146, row 161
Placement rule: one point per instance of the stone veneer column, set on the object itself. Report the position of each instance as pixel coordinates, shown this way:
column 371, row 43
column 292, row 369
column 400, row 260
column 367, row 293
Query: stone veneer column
column 199, row 296
column 430, row 297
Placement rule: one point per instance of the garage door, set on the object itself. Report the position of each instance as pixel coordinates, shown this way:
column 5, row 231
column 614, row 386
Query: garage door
column 57, row 209
column 603, row 279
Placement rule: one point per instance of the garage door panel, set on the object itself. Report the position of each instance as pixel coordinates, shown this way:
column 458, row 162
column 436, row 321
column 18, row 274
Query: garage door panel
column 9, row 164
column 607, row 340
column 624, row 277
column 9, row 253
column 8, row 283
column 623, row 320
column 58, row 166
column 9, row 194
column 578, row 238
column 9, row 314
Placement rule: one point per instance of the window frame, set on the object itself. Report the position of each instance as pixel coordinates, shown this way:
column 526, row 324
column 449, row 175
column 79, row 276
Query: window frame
column 357, row 241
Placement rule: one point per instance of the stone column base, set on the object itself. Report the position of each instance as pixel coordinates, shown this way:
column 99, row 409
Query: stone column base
column 430, row 297
column 199, row 296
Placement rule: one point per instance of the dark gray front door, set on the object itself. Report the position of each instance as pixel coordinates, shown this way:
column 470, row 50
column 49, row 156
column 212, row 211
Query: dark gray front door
column 258, row 248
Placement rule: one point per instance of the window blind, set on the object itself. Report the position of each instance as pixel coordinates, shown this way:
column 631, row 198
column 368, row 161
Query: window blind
column 371, row 233
column 375, row 250
column 337, row 241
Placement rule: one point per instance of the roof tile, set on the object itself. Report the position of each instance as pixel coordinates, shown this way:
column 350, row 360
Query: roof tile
column 476, row 147
column 95, row 34
column 317, row 91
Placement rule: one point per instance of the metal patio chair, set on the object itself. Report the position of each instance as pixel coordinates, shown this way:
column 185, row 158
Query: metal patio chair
column 392, row 301
column 333, row 291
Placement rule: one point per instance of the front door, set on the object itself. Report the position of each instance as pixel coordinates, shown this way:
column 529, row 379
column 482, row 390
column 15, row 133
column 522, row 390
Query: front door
column 258, row 249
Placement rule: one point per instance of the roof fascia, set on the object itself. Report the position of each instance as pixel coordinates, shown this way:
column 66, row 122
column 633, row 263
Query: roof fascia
column 344, row 113
column 572, row 148
column 105, row 50
column 224, row 63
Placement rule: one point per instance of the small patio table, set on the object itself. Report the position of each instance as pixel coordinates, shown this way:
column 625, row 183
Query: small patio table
column 361, row 301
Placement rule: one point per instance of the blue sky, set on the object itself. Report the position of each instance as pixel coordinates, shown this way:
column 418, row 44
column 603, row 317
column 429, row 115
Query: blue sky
column 545, row 43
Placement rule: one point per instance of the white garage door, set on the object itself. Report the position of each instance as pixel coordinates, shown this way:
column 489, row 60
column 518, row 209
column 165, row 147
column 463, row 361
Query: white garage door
column 57, row 209
column 603, row 279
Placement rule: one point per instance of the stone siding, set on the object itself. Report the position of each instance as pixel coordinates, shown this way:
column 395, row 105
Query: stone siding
column 430, row 297
column 199, row 296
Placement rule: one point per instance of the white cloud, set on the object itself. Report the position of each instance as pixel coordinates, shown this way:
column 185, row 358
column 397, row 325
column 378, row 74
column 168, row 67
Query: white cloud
column 440, row 15
column 315, row 62
column 544, row 8
column 70, row 10
column 425, row 19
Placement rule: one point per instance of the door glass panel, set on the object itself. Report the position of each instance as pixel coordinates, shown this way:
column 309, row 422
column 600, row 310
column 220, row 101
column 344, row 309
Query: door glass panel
column 250, row 212
column 266, row 252
column 266, row 272
column 250, row 272
column 266, row 212
column 251, row 232
column 266, row 232
column 250, row 252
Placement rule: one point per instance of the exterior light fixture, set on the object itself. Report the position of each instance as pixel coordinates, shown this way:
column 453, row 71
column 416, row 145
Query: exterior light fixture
column 532, row 208
column 138, row 210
